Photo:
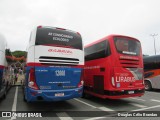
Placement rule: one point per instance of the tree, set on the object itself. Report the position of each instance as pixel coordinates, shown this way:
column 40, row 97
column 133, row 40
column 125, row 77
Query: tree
column 19, row 54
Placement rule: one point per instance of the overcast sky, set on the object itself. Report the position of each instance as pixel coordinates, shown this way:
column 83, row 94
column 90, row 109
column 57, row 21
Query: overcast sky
column 94, row 19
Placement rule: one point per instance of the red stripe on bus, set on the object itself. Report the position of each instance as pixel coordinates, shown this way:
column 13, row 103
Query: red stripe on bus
column 39, row 64
column 1, row 67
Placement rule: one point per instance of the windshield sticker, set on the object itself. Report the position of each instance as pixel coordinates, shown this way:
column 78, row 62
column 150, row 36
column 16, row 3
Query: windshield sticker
column 60, row 37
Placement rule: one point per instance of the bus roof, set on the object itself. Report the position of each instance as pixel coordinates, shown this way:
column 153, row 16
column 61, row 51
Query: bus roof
column 151, row 57
column 59, row 29
column 104, row 38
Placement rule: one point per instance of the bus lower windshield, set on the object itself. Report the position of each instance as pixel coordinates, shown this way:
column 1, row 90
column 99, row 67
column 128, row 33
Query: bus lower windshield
column 49, row 36
column 127, row 46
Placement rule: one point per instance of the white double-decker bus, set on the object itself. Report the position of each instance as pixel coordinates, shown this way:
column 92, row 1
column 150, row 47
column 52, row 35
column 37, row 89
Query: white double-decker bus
column 55, row 58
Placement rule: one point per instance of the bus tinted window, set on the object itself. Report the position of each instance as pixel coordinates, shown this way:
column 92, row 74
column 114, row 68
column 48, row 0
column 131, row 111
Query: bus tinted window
column 50, row 36
column 99, row 50
column 127, row 46
column 158, row 59
column 151, row 62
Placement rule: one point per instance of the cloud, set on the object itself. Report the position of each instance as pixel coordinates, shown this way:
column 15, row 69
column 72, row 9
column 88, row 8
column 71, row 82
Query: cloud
column 94, row 19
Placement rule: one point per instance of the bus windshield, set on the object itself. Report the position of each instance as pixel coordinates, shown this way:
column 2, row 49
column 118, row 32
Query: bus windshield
column 127, row 46
column 57, row 37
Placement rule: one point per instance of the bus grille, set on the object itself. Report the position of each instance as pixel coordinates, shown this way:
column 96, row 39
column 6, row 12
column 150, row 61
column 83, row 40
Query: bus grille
column 129, row 63
column 46, row 60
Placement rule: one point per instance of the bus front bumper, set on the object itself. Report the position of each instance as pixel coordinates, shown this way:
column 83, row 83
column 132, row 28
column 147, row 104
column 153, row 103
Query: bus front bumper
column 32, row 95
column 118, row 94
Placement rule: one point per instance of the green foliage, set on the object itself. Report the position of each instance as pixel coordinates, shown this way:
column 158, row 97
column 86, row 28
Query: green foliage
column 18, row 54
column 8, row 52
column 9, row 59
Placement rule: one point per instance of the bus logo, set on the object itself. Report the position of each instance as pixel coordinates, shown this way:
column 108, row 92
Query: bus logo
column 66, row 52
column 125, row 79
column 60, row 72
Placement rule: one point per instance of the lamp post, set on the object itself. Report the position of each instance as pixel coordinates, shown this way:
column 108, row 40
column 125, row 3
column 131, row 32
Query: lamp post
column 153, row 35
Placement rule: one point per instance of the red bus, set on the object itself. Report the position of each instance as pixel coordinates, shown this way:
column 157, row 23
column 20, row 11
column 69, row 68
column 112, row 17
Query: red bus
column 114, row 68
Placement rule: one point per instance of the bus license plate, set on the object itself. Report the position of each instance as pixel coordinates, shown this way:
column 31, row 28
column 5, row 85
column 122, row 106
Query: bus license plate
column 130, row 92
column 59, row 94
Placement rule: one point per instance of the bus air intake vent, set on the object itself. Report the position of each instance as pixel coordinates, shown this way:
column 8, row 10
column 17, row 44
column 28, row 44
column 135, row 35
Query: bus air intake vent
column 129, row 63
column 58, row 60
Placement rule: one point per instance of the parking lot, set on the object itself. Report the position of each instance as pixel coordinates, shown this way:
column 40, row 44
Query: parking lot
column 79, row 108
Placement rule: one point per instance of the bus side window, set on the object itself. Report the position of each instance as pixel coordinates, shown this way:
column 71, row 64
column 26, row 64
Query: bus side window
column 107, row 50
column 99, row 50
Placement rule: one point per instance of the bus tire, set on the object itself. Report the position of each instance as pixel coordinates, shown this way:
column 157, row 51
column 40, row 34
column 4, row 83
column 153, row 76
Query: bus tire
column 148, row 85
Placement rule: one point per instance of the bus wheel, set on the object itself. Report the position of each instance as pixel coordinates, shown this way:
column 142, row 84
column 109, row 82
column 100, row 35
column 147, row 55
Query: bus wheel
column 147, row 85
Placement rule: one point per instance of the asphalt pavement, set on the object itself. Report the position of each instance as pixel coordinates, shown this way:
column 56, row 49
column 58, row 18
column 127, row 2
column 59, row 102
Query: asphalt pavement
column 91, row 108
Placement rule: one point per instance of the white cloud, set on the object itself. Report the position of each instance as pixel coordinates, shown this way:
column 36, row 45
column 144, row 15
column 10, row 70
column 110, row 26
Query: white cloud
column 94, row 19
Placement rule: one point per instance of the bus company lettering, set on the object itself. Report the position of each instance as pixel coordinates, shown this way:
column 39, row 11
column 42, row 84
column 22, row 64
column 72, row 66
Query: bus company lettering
column 125, row 79
column 68, row 52
column 60, row 35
